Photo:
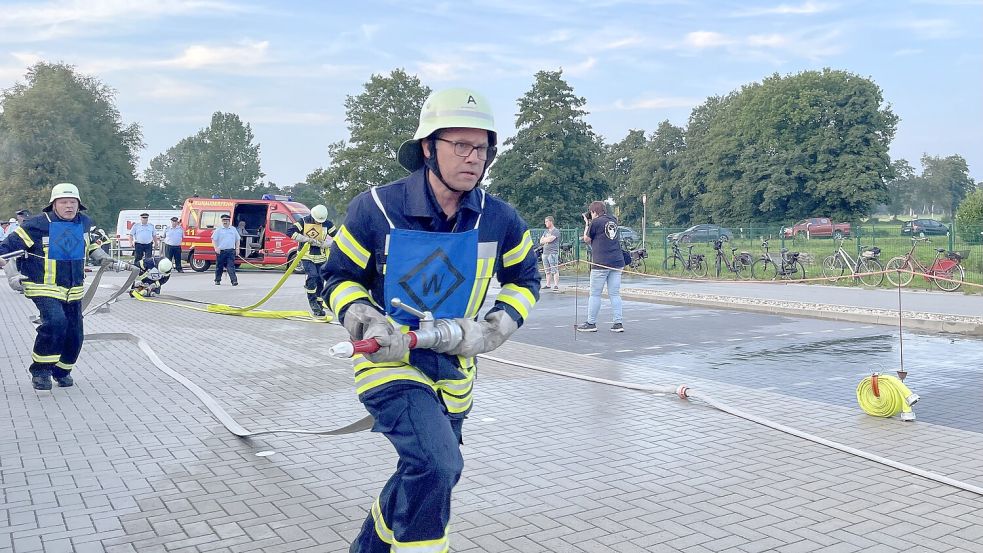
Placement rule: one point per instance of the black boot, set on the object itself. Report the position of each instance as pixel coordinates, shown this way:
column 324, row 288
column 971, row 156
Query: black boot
column 41, row 379
column 316, row 308
column 62, row 377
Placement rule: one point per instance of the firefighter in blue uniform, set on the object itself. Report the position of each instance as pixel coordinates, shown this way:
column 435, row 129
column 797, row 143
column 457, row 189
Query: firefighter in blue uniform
column 319, row 232
column 154, row 273
column 434, row 239
column 57, row 242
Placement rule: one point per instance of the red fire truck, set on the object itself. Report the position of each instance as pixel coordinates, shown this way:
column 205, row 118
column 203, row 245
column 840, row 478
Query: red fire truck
column 262, row 224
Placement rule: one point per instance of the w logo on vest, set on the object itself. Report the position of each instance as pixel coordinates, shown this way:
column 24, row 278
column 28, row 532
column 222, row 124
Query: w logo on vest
column 432, row 281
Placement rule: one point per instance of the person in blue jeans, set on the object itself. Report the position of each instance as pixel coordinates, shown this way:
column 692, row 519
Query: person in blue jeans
column 607, row 263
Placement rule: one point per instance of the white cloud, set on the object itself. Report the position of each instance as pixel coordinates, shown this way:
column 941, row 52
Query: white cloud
column 61, row 18
column 166, row 89
column 246, row 54
column 806, row 8
column 658, row 102
column 929, row 28
column 706, row 39
column 580, row 69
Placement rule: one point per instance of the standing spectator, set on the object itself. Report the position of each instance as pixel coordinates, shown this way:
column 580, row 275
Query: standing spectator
column 551, row 254
column 420, row 398
column 3, row 228
column 607, row 262
column 225, row 240
column 12, row 225
column 144, row 236
column 22, row 216
column 172, row 243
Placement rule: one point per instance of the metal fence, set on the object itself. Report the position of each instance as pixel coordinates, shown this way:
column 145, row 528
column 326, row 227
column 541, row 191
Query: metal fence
column 967, row 241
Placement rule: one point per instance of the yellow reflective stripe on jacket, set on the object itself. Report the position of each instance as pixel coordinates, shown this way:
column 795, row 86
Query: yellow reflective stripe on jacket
column 518, row 253
column 316, row 258
column 35, row 290
column 441, row 545
column 519, row 298
column 483, row 274
column 345, row 293
column 28, row 241
column 369, row 375
column 351, row 248
column 457, row 395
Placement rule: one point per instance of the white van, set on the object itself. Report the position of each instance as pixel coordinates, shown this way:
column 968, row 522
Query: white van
column 159, row 218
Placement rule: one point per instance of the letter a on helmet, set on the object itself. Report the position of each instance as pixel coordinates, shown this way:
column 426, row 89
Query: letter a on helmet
column 445, row 109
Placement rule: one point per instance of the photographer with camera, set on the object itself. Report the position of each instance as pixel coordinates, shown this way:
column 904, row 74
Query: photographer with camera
column 602, row 235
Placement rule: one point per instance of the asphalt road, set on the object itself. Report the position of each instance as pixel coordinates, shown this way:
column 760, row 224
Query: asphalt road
column 814, row 359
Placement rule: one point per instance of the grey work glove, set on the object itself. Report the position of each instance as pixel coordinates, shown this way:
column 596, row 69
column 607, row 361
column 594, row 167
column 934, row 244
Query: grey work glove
column 483, row 336
column 359, row 317
column 393, row 344
column 301, row 238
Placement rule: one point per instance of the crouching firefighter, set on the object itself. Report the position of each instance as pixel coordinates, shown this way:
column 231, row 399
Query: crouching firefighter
column 56, row 242
column 317, row 230
column 154, row 273
column 434, row 239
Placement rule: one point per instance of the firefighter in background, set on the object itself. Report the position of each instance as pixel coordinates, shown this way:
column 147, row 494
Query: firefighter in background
column 319, row 232
column 57, row 242
column 154, row 273
column 434, row 239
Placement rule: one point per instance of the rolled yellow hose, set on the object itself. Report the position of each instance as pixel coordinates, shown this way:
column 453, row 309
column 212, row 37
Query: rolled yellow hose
column 893, row 397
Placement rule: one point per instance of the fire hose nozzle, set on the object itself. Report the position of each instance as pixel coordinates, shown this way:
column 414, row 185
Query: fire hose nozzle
column 14, row 254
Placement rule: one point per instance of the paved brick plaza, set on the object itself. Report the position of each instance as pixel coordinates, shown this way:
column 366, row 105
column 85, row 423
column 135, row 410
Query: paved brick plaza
column 128, row 460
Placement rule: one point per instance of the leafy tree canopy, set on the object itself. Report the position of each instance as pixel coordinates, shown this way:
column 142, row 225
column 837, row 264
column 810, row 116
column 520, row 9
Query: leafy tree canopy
column 379, row 120
column 552, row 164
column 61, row 126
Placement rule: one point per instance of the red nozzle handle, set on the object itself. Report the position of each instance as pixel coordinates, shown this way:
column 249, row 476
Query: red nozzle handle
column 371, row 345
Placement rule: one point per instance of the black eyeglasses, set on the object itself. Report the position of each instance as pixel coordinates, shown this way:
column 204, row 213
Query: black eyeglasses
column 463, row 149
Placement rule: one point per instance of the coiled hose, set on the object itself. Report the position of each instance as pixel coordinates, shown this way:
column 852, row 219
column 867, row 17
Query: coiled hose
column 882, row 395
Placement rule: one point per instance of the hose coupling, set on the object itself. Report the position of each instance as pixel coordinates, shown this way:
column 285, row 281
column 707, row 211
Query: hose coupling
column 682, row 390
column 912, row 399
column 907, row 416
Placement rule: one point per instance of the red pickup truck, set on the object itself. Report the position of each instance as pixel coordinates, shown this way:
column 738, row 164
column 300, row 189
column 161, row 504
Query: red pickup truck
column 817, row 227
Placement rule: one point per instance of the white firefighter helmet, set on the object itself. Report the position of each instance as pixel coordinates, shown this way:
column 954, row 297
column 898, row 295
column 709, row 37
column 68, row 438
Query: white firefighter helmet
column 454, row 107
column 64, row 190
column 165, row 266
column 319, row 213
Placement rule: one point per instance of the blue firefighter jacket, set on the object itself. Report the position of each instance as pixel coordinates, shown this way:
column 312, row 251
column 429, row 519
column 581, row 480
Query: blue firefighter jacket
column 47, row 275
column 355, row 272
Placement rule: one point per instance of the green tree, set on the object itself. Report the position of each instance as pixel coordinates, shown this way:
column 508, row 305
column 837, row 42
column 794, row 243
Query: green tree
column 969, row 217
column 901, row 187
column 947, row 181
column 61, row 126
column 219, row 160
column 616, row 166
column 814, row 143
column 656, row 174
column 379, row 120
column 552, row 164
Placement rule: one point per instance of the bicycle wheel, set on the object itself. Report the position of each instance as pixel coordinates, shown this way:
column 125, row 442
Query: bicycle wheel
column 795, row 271
column 868, row 265
column 897, row 268
column 698, row 267
column 955, row 274
column 833, row 267
column 742, row 269
column 640, row 265
column 763, row 269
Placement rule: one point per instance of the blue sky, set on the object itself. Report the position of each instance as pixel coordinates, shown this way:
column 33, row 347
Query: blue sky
column 287, row 67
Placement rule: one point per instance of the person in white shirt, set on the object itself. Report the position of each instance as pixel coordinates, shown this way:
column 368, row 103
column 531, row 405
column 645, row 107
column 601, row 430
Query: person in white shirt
column 144, row 237
column 225, row 240
column 172, row 243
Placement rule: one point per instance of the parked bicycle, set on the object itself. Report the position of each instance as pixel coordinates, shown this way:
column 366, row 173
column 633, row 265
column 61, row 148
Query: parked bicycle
column 740, row 265
column 788, row 266
column 947, row 265
column 865, row 268
column 677, row 263
column 635, row 259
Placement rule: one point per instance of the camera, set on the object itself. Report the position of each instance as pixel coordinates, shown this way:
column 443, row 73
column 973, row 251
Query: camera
column 586, row 214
